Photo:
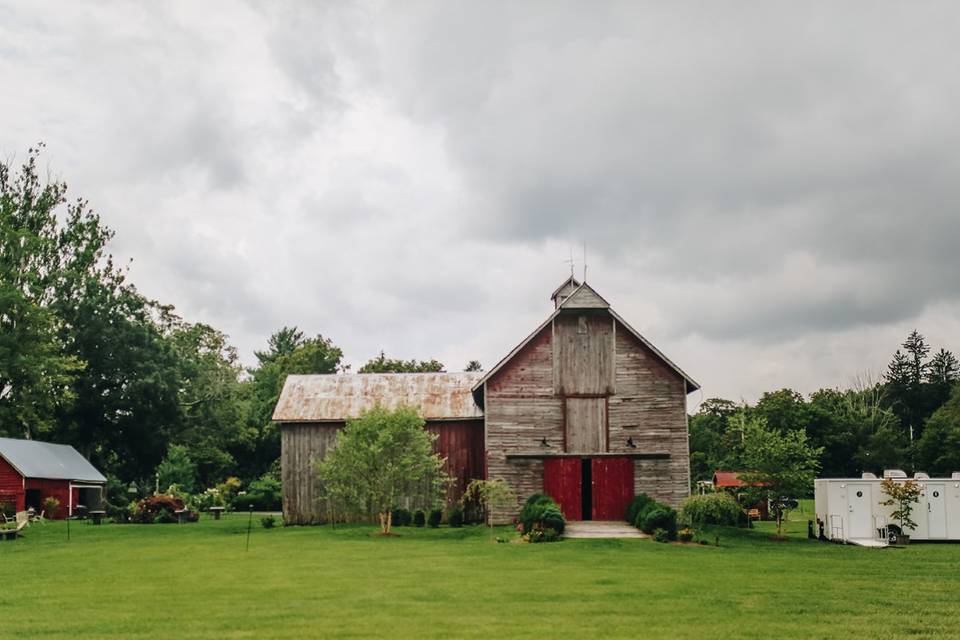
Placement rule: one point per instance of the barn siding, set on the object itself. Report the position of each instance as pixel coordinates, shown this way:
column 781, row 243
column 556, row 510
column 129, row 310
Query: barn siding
column 59, row 489
column 650, row 407
column 522, row 409
column 583, row 352
column 459, row 442
column 11, row 485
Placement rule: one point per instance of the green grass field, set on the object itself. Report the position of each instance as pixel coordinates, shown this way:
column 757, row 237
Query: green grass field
column 197, row 581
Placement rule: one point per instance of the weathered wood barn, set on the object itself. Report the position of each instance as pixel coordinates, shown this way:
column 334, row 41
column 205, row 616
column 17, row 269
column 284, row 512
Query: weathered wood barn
column 584, row 408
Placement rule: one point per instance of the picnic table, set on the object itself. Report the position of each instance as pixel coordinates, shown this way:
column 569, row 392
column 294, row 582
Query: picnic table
column 182, row 515
column 97, row 516
column 216, row 511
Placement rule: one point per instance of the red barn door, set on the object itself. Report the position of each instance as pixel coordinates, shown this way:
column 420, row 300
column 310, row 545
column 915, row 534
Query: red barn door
column 561, row 481
column 612, row 487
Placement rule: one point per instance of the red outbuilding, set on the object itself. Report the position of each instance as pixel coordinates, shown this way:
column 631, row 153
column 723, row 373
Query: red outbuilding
column 32, row 471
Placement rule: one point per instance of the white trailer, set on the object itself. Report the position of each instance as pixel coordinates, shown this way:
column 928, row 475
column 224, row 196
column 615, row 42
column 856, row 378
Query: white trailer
column 849, row 509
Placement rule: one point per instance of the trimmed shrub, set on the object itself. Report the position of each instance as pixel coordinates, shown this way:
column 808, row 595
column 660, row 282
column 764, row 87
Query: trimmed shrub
column 419, row 518
column 636, row 505
column 264, row 494
column 712, row 508
column 542, row 510
column 661, row 518
column 685, row 534
column 401, row 518
column 455, row 517
column 433, row 520
column 164, row 516
column 661, row 535
column 645, row 510
column 268, row 522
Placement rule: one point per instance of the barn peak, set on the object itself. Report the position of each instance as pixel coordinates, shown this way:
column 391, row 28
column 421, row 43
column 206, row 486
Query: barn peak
column 561, row 293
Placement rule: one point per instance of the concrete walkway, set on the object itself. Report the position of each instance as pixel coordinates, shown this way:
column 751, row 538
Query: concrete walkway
column 601, row 529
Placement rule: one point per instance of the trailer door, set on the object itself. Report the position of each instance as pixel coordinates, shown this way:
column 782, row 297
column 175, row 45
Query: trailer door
column 860, row 511
column 936, row 511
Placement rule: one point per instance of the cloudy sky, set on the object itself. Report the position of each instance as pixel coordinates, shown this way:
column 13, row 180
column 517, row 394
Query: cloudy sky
column 767, row 191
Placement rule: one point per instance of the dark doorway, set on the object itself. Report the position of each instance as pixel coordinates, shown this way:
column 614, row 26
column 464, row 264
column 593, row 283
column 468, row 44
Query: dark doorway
column 33, row 500
column 586, row 489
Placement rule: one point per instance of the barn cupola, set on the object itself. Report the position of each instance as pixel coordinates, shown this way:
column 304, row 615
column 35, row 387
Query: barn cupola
column 561, row 293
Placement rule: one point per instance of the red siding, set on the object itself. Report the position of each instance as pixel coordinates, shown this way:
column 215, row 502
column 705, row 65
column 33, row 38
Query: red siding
column 612, row 487
column 461, row 443
column 561, row 481
column 59, row 489
column 11, row 485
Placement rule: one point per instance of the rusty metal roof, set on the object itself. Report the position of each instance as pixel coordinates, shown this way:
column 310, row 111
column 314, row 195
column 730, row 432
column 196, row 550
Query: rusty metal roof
column 334, row 397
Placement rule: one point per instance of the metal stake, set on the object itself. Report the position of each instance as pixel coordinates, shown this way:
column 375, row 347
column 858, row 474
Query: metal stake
column 249, row 526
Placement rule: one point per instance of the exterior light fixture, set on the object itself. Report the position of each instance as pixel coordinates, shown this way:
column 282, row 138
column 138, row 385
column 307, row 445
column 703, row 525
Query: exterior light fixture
column 544, row 443
column 631, row 443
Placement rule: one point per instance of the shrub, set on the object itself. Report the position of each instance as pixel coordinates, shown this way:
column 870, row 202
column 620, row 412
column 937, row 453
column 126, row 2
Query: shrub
column 436, row 515
column 661, row 535
column 685, row 534
column 121, row 513
column 661, row 518
column 264, row 494
column 644, row 510
column 712, row 508
column 268, row 522
column 636, row 505
column 7, row 508
column 164, row 516
column 51, row 506
column 543, row 534
column 540, row 509
column 150, row 508
column 455, row 517
column 401, row 518
column 419, row 518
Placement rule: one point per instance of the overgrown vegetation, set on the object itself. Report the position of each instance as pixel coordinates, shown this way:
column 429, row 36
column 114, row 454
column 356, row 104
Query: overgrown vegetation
column 713, row 509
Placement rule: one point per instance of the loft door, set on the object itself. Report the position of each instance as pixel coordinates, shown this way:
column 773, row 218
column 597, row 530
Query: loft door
column 586, row 424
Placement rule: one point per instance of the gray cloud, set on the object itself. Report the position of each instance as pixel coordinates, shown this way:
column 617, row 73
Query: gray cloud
column 757, row 185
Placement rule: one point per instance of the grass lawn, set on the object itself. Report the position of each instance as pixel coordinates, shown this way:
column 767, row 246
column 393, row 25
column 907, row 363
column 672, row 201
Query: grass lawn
column 197, row 581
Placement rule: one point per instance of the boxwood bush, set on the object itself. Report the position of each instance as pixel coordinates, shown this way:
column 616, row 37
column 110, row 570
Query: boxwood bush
column 661, row 518
column 455, row 517
column 712, row 508
column 541, row 511
column 419, row 518
column 638, row 503
column 436, row 515
column 401, row 518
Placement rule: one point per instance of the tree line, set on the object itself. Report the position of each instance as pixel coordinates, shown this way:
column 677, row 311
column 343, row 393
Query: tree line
column 910, row 420
column 88, row 360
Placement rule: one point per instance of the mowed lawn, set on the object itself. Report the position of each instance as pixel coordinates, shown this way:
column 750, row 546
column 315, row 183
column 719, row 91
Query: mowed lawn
column 197, row 581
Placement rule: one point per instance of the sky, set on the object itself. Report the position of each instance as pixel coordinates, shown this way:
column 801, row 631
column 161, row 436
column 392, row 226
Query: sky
column 767, row 191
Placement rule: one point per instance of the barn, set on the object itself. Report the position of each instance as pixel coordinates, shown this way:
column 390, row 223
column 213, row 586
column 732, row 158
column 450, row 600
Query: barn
column 584, row 408
column 31, row 471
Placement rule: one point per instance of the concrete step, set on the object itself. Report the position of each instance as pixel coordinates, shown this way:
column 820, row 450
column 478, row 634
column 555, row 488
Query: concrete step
column 601, row 529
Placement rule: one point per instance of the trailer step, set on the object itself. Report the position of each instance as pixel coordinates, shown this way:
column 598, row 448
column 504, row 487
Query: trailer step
column 868, row 542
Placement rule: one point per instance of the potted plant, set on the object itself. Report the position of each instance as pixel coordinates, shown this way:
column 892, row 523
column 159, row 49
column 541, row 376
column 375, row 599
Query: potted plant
column 903, row 495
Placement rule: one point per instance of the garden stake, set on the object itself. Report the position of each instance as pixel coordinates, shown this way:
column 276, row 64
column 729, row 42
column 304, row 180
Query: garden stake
column 249, row 525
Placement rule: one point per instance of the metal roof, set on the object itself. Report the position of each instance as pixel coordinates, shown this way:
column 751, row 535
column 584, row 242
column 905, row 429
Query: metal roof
column 34, row 459
column 335, row 397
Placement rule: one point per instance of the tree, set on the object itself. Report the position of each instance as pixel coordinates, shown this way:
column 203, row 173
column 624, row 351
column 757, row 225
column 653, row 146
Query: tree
column 938, row 451
column 779, row 466
column 904, row 495
column 383, row 364
column 491, row 495
column 288, row 353
column 380, row 458
column 473, row 365
column 177, row 469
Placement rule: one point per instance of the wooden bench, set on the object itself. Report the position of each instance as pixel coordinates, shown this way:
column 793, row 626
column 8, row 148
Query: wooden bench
column 753, row 514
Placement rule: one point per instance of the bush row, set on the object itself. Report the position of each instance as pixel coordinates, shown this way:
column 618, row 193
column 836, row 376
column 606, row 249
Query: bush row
column 713, row 508
column 648, row 515
column 405, row 518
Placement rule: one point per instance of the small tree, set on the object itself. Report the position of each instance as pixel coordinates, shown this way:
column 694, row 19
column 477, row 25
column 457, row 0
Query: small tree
column 780, row 466
column 177, row 469
column 904, row 495
column 381, row 457
column 491, row 494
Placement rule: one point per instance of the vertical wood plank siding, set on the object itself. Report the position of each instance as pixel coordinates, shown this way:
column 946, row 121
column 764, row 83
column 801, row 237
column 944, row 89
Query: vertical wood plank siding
column 521, row 410
column 583, row 351
column 460, row 442
column 586, row 425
